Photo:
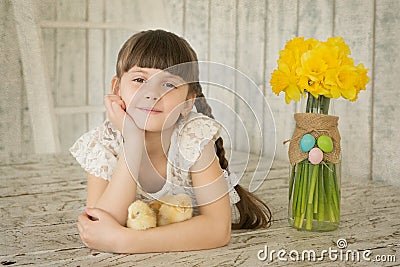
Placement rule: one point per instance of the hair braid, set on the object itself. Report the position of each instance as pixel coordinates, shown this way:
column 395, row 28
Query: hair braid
column 253, row 212
column 202, row 106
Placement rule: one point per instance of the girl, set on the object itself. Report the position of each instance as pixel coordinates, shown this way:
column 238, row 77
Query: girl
column 162, row 147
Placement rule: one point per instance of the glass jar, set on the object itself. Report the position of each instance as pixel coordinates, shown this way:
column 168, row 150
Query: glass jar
column 314, row 196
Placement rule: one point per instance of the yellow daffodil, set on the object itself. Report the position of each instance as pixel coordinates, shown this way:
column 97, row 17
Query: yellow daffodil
column 311, row 72
column 284, row 79
column 363, row 78
column 330, row 82
column 329, row 54
column 298, row 46
column 346, row 79
column 338, row 42
column 320, row 68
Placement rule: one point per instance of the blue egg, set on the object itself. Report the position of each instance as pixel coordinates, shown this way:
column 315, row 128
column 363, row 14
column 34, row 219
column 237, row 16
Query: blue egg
column 307, row 142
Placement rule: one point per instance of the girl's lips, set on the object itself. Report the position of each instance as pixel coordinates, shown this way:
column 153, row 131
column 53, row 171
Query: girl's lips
column 150, row 110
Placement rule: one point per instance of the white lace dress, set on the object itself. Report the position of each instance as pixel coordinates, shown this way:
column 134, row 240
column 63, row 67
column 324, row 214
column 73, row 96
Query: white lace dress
column 97, row 152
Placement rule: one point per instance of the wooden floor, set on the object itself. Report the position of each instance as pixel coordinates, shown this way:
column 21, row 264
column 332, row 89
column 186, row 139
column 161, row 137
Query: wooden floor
column 41, row 197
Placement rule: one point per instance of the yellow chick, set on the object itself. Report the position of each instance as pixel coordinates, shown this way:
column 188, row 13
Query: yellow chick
column 173, row 209
column 140, row 216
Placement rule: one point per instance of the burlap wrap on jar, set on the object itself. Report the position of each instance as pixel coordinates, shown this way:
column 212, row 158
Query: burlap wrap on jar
column 316, row 125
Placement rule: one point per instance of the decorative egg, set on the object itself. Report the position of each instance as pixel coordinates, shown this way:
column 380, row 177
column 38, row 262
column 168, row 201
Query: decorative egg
column 315, row 156
column 325, row 143
column 307, row 142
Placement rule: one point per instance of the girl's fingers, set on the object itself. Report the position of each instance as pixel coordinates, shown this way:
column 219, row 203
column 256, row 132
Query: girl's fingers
column 82, row 220
column 115, row 108
column 108, row 99
column 93, row 213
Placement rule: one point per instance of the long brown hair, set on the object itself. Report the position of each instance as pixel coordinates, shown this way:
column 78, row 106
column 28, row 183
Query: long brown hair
column 160, row 49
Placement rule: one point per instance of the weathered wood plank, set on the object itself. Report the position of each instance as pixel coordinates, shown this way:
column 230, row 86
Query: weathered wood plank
column 354, row 22
column 250, row 58
column 71, row 63
column 386, row 122
column 222, row 50
column 281, row 26
column 196, row 27
column 170, row 15
column 315, row 18
column 95, row 65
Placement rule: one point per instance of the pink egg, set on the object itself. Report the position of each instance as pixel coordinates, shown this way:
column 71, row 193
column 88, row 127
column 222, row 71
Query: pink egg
column 315, row 155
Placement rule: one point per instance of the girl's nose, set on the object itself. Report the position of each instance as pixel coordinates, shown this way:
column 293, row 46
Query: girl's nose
column 152, row 92
column 151, row 96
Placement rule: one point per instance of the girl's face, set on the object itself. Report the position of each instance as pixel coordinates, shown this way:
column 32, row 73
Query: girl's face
column 154, row 98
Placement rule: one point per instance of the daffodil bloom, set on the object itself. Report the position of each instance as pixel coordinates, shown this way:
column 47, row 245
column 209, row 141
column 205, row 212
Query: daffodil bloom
column 312, row 66
column 346, row 80
column 340, row 44
column 363, row 78
column 284, row 79
column 319, row 68
column 298, row 46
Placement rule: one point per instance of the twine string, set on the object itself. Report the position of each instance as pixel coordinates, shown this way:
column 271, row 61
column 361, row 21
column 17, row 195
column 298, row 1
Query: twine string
column 317, row 125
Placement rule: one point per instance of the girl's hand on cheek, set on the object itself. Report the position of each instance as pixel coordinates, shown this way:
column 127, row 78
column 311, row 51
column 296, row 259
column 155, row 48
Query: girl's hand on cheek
column 99, row 230
column 115, row 108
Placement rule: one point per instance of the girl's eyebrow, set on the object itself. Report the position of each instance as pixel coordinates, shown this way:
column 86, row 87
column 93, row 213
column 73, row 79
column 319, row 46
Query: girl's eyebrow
column 165, row 74
column 171, row 76
column 138, row 71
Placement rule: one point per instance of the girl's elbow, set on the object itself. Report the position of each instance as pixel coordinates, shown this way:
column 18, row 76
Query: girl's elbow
column 226, row 239
column 224, row 235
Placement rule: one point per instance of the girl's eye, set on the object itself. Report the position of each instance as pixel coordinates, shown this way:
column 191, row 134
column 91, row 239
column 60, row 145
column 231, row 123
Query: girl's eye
column 169, row 85
column 139, row 80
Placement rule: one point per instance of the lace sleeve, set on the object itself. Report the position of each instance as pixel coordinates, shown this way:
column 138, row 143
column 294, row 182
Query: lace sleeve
column 193, row 136
column 97, row 150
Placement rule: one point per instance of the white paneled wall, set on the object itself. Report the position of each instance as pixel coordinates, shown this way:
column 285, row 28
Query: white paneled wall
column 81, row 39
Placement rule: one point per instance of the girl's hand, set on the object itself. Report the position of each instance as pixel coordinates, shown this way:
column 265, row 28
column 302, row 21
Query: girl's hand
column 99, row 230
column 115, row 108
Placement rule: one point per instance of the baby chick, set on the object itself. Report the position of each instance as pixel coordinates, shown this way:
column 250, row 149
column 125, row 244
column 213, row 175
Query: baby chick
column 140, row 216
column 174, row 209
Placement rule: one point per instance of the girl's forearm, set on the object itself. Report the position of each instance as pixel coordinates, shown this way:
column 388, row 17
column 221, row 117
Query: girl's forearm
column 121, row 190
column 133, row 147
column 119, row 194
column 200, row 232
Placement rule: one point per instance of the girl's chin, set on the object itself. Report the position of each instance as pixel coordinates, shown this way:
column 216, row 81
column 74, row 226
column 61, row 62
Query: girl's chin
column 156, row 123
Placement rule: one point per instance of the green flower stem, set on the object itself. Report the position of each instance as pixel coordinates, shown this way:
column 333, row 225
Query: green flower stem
column 321, row 196
column 315, row 202
column 309, row 102
column 333, row 199
column 291, row 181
column 325, row 104
column 304, row 190
column 311, row 197
column 297, row 191
column 295, row 198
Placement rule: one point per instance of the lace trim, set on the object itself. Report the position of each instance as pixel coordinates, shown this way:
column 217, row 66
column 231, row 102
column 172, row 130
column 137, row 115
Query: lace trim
column 194, row 133
column 97, row 150
column 232, row 181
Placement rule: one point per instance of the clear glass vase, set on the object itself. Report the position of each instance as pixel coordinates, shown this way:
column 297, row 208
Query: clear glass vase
column 314, row 196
